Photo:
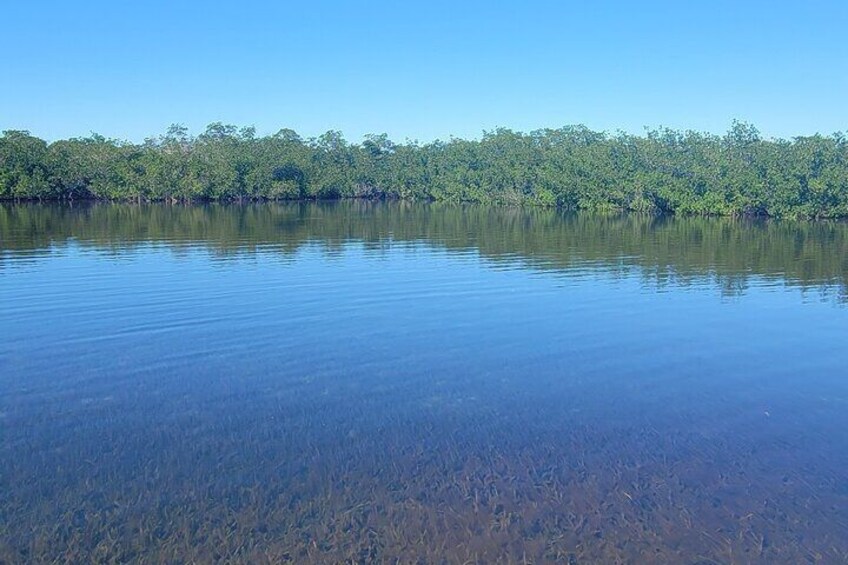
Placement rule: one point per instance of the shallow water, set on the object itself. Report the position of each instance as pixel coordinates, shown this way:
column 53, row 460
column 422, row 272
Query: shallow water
column 389, row 382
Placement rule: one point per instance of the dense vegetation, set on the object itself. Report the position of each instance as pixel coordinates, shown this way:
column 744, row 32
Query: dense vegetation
column 739, row 173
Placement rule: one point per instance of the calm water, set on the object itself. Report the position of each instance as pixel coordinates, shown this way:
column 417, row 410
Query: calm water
column 399, row 383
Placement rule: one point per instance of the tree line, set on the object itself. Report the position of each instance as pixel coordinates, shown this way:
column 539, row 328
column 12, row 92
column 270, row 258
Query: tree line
column 739, row 173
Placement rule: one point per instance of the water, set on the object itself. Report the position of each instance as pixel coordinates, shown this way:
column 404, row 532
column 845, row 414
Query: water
column 371, row 382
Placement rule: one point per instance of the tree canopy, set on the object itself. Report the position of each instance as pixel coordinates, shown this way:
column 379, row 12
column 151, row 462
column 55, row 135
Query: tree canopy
column 740, row 173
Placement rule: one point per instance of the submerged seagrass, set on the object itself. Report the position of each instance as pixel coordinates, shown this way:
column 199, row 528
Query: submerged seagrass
column 374, row 382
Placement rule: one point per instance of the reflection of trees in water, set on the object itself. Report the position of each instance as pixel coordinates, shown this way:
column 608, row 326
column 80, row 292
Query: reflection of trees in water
column 733, row 285
column 667, row 250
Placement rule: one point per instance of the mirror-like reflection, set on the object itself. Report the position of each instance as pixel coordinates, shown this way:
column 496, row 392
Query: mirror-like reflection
column 666, row 249
column 383, row 382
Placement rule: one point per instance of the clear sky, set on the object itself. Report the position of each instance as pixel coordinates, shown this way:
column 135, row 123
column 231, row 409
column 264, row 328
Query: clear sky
column 422, row 70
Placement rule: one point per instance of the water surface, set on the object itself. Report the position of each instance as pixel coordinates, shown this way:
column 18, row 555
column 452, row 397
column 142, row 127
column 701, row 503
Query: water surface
column 371, row 382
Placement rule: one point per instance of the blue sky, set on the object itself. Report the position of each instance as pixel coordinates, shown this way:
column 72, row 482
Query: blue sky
column 422, row 70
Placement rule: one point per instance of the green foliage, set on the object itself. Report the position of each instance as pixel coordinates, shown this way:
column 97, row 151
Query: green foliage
column 573, row 167
column 23, row 166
